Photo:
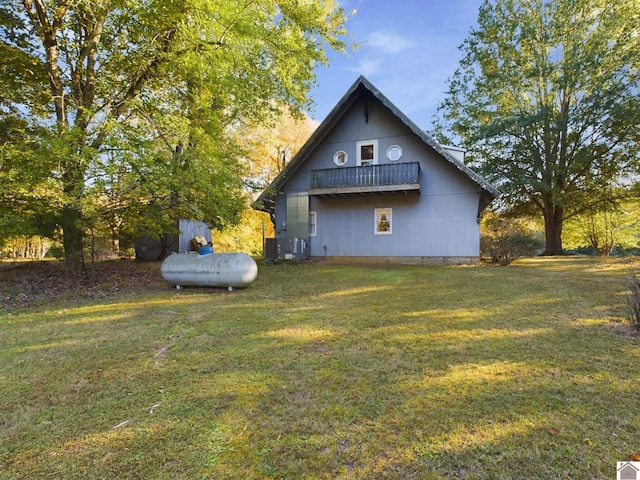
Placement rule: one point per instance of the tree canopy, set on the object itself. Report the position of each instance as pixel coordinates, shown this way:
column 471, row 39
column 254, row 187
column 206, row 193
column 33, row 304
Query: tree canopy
column 546, row 100
column 606, row 228
column 267, row 148
column 124, row 112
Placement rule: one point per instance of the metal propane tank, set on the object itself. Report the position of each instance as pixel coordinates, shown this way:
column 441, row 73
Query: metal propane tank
column 231, row 270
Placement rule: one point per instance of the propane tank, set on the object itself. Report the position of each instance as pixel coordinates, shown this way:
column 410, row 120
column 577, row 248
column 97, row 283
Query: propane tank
column 231, row 270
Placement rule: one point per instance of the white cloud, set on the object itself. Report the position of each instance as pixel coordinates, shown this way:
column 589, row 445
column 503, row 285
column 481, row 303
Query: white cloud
column 365, row 67
column 389, row 43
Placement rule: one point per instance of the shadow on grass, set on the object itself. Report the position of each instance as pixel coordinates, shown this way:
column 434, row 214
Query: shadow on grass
column 329, row 372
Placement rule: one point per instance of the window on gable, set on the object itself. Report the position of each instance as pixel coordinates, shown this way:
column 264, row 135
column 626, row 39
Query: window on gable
column 340, row 158
column 394, row 153
column 367, row 152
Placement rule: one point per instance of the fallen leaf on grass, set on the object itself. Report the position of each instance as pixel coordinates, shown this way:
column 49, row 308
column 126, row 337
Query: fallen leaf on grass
column 161, row 352
column 121, row 424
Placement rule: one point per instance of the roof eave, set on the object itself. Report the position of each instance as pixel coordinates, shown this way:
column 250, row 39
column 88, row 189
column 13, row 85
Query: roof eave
column 334, row 116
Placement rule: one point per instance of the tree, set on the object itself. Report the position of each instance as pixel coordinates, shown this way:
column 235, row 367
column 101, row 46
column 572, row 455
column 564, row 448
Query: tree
column 505, row 239
column 267, row 148
column 247, row 236
column 136, row 101
column 606, row 228
column 545, row 99
column 600, row 231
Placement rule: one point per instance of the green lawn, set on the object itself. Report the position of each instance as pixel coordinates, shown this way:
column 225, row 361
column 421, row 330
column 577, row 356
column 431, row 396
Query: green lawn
column 326, row 371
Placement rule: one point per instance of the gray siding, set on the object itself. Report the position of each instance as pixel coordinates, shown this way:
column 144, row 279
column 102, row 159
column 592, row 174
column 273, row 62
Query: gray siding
column 439, row 221
column 422, row 226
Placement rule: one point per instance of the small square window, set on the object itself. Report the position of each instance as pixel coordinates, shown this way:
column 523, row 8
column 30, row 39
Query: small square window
column 367, row 152
column 382, row 218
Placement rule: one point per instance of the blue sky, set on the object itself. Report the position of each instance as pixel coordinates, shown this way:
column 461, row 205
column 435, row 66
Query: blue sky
column 408, row 50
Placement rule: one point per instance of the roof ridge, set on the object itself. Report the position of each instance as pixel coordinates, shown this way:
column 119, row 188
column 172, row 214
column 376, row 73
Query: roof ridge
column 338, row 111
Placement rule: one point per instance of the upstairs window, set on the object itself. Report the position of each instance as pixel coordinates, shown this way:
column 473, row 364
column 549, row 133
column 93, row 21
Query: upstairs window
column 394, row 153
column 340, row 158
column 367, row 152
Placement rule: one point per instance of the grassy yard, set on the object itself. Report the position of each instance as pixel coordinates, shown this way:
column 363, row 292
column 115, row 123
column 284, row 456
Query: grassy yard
column 326, row 371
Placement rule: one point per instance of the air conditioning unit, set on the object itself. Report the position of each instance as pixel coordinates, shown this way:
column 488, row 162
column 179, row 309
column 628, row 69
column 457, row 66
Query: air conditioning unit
column 286, row 249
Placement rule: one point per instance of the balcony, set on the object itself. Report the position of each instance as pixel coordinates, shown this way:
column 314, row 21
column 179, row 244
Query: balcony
column 387, row 178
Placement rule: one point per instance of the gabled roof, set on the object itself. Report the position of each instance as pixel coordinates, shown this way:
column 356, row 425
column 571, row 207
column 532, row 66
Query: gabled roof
column 360, row 86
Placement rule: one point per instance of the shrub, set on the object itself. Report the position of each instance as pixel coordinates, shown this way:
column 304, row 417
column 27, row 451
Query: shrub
column 504, row 240
column 633, row 301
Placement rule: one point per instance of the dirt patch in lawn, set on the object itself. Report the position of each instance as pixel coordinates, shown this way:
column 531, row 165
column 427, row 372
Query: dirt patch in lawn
column 30, row 283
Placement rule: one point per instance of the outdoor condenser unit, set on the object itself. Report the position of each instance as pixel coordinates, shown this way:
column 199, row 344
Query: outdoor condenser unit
column 286, row 249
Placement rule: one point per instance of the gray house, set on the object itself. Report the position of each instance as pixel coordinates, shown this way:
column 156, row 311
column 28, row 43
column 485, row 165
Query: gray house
column 369, row 185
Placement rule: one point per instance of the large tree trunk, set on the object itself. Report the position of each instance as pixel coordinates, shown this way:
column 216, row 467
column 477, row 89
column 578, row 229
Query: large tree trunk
column 553, row 218
column 47, row 24
column 72, row 218
column 73, row 234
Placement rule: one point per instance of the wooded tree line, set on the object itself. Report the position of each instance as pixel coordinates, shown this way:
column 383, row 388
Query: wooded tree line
column 120, row 116
column 126, row 114
column 546, row 101
column 25, row 247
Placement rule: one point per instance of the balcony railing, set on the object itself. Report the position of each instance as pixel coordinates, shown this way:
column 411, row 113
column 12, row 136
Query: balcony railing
column 366, row 179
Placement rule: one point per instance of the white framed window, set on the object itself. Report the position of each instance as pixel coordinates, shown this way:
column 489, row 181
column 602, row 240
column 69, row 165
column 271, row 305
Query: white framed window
column 313, row 224
column 394, row 153
column 367, row 151
column 340, row 158
column 382, row 221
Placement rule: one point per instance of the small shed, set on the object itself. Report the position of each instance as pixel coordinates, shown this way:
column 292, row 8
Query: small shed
column 148, row 248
